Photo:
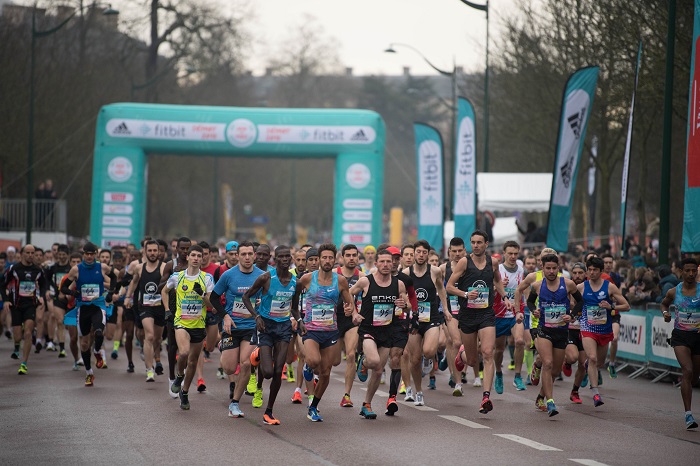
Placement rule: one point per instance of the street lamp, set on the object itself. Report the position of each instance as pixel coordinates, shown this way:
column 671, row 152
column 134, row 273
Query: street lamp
column 484, row 8
column 453, row 76
column 108, row 11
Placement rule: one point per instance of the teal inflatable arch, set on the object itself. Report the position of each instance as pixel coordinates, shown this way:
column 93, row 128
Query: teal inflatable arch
column 127, row 133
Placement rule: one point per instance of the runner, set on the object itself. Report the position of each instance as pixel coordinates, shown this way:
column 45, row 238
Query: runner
column 213, row 322
column 370, row 253
column 57, row 306
column 254, row 388
column 70, row 320
column 684, row 302
column 474, row 279
column 609, row 263
column 193, row 288
column 574, row 348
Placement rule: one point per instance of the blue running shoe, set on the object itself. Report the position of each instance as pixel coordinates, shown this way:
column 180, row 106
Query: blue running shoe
column 308, row 373
column 690, row 422
column 551, row 408
column 431, row 384
column 584, row 382
column 518, row 383
column 498, row 383
column 361, row 370
column 442, row 362
column 313, row 415
column 366, row 411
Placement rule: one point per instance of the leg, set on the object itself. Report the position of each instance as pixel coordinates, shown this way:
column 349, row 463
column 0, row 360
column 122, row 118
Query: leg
column 544, row 347
column 375, row 359
column 590, row 346
column 487, row 337
column 498, row 353
column 350, row 340
column 244, row 374
column 280, row 354
column 328, row 355
column 518, row 333
column 195, row 350
column 149, row 341
column 183, row 346
column 128, row 327
column 172, row 349
column 73, row 335
column 415, row 352
column 28, row 329
column 613, row 343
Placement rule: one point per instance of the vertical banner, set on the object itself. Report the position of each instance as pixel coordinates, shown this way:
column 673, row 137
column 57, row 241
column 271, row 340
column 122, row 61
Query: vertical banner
column 464, row 209
column 691, row 212
column 229, row 217
column 430, row 184
column 575, row 110
column 628, row 149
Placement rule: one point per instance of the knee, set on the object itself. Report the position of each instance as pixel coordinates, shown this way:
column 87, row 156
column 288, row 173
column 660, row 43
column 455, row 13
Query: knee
column 487, row 353
column 183, row 354
column 547, row 365
column 520, row 342
column 593, row 360
column 350, row 354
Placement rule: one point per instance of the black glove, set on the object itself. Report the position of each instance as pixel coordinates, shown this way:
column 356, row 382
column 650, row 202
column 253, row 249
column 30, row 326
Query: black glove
column 75, row 293
column 169, row 315
column 198, row 289
column 414, row 322
column 110, row 296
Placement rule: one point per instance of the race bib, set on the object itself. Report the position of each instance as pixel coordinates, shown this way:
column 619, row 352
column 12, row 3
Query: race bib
column 596, row 315
column 280, row 309
column 239, row 310
column 152, row 300
column 191, row 309
column 575, row 322
column 454, row 304
column 27, row 289
column 382, row 314
column 423, row 312
column 323, row 314
column 689, row 319
column 554, row 316
column 89, row 291
column 481, row 301
column 57, row 279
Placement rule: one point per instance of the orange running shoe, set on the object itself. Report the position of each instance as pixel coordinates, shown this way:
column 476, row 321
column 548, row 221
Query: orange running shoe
column 269, row 419
column 201, row 386
column 296, row 397
column 255, row 357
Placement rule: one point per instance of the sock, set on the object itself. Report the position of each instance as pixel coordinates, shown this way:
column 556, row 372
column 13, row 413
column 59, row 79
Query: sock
column 487, row 394
column 527, row 359
column 688, row 413
column 394, row 382
column 89, row 372
column 518, row 375
column 86, row 359
column 298, row 389
column 234, row 401
column 511, row 350
column 540, row 397
column 550, row 400
column 595, row 391
column 116, row 345
column 575, row 389
column 314, row 402
column 268, row 411
column 231, row 386
column 481, row 366
column 611, row 363
column 499, row 373
column 62, row 345
column 432, row 377
column 184, row 392
column 16, row 348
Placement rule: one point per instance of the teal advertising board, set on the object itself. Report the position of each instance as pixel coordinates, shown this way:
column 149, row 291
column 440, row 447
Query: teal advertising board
column 127, row 133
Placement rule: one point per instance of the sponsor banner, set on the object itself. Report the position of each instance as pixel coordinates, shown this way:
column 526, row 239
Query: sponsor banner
column 691, row 206
column 357, row 215
column 357, row 239
column 169, row 130
column 576, row 109
column 632, row 343
column 118, row 197
column 124, row 209
column 357, row 227
column 298, row 134
column 116, row 232
column 661, row 351
column 118, row 221
column 357, row 203
column 465, row 171
column 430, row 184
column 628, row 148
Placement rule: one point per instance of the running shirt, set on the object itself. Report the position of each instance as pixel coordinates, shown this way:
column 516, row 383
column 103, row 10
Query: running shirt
column 276, row 304
column 377, row 306
column 90, row 282
column 687, row 310
column 554, row 305
column 539, row 276
column 24, row 284
column 319, row 305
column 478, row 280
column 426, row 294
column 190, row 311
column 594, row 318
column 410, row 291
column 148, row 287
column 232, row 285
column 54, row 276
column 514, row 279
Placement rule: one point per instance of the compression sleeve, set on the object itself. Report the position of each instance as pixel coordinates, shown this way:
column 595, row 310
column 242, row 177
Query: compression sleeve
column 532, row 301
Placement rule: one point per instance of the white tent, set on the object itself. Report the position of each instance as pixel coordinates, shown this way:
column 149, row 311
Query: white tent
column 511, row 192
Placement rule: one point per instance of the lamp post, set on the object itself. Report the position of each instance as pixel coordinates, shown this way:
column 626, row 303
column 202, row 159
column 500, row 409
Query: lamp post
column 484, row 8
column 108, row 11
column 448, row 159
column 665, row 201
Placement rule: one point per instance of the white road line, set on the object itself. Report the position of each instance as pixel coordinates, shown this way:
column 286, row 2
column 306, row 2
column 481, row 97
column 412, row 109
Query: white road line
column 419, row 408
column 378, row 393
column 339, row 379
column 587, row 462
column 464, row 422
column 527, row 442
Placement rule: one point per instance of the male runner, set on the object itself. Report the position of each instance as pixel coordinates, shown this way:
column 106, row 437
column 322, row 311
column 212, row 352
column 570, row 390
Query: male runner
column 574, row 348
column 57, row 306
column 609, row 263
column 254, row 388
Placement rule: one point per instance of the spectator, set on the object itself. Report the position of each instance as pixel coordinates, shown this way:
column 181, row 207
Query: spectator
column 636, row 258
column 645, row 292
column 668, row 280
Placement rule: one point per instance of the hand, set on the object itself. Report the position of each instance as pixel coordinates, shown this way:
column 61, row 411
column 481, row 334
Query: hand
column 448, row 316
column 506, row 302
column 259, row 323
column 473, row 295
column 302, row 328
column 667, row 316
column 348, row 308
column 605, row 305
column 6, row 306
column 228, row 323
column 128, row 303
column 294, row 324
column 357, row 318
column 519, row 317
column 198, row 289
column 400, row 302
column 169, row 315
column 536, row 313
column 566, row 318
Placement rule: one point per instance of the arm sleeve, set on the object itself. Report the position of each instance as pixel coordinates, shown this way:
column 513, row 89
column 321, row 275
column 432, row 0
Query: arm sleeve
column 579, row 303
column 215, row 299
column 65, row 288
column 532, row 300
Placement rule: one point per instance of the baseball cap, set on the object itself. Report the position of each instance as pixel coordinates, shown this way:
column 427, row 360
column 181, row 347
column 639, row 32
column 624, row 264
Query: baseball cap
column 313, row 252
column 394, row 250
column 369, row 247
column 231, row 245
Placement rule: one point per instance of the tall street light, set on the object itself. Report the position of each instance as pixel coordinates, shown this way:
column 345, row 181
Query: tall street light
column 484, row 8
column 448, row 159
column 108, row 11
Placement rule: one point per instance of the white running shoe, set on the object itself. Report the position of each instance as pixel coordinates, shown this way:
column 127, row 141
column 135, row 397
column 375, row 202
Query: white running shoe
column 457, row 390
column 409, row 394
column 477, row 382
column 419, row 399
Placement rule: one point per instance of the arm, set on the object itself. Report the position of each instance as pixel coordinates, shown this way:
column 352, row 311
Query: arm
column 261, row 283
column 441, row 293
column 457, row 272
column 360, row 286
column 129, row 298
column 68, row 280
column 349, row 302
column 666, row 303
column 522, row 287
column 621, row 304
column 167, row 272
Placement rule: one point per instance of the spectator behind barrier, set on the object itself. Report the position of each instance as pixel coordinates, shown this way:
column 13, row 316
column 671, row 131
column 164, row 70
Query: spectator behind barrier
column 667, row 280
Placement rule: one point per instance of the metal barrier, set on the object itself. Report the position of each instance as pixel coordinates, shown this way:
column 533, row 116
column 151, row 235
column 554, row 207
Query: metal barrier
column 48, row 215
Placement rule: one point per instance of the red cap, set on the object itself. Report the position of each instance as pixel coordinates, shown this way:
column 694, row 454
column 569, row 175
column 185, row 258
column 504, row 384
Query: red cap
column 394, row 250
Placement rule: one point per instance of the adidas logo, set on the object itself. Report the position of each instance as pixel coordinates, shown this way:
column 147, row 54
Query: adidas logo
column 359, row 136
column 121, row 129
column 575, row 121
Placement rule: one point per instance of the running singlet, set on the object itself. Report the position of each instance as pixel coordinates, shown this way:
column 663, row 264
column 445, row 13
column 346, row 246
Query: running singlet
column 594, row 318
column 319, row 305
column 539, row 276
column 190, row 311
column 477, row 280
column 514, row 279
column 377, row 307
column 554, row 305
column 276, row 304
column 233, row 284
column 148, row 287
column 90, row 283
column 426, row 294
column 687, row 310
column 56, row 273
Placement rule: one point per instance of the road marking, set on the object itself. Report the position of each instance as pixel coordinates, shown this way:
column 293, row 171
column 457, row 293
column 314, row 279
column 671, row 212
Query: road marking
column 464, row 422
column 527, row 442
column 587, row 462
column 378, row 393
column 419, row 408
column 339, row 379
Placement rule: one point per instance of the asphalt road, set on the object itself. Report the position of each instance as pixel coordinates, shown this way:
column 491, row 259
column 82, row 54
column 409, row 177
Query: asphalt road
column 48, row 416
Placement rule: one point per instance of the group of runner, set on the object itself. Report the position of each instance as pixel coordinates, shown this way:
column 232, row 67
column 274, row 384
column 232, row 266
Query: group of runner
column 399, row 309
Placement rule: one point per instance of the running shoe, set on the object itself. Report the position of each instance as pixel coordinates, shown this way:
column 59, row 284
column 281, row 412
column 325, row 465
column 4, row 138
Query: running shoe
column 566, row 369
column 50, row 346
column 201, row 386
column 8, row 335
column 612, row 371
column 104, row 359
column 690, row 422
column 252, row 385
column 130, row 368
column 159, row 368
column 184, row 400
column 597, row 401
column 402, row 388
column 207, row 355
column 238, row 369
column 477, row 382
column 296, row 397
column 309, row 373
column 498, row 383
column 518, row 383
column 270, row 420
column 311, row 400
column 442, row 362
column 258, row 399
column 451, row 383
column 346, row 402
column 366, row 411
column 535, row 375
column 552, row 409
column 313, row 416
column 459, row 364
column 382, row 379
column 584, row 382
column 89, row 380
column 481, row 375
column 62, row 353
column 419, row 399
column 575, row 398
column 409, row 395
column 426, row 366
column 220, row 374
column 234, row 410
column 284, row 372
column 115, row 354
column 15, row 354
column 464, row 376
column 431, row 384
column 290, row 374
column 38, row 347
column 457, row 391
column 177, row 384
column 255, row 357
column 22, row 369
column 511, row 365
column 99, row 362
column 150, row 375
column 600, row 378
column 172, row 394
column 391, row 406
column 486, row 405
column 76, row 367
column 361, row 369
column 540, row 404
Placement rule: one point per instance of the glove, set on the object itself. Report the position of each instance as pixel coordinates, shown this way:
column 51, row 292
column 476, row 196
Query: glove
column 169, row 315
column 198, row 289
column 110, row 296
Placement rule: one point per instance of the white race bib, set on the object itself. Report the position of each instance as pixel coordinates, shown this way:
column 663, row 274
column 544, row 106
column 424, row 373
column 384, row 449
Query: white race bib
column 89, row 291
column 554, row 316
column 27, row 289
column 191, row 309
column 423, row 312
column 382, row 314
column 481, row 301
column 280, row 309
column 239, row 310
column 323, row 314
column 596, row 315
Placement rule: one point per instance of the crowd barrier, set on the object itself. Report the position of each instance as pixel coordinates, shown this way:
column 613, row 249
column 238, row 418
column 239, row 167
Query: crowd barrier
column 643, row 344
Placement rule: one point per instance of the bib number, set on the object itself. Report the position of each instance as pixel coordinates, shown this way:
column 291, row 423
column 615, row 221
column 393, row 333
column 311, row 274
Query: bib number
column 280, row 309
column 191, row 309
column 88, row 292
column 597, row 315
column 27, row 289
column 481, row 301
column 239, row 310
column 554, row 316
column 382, row 315
column 454, row 305
column 689, row 319
column 323, row 314
column 423, row 312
